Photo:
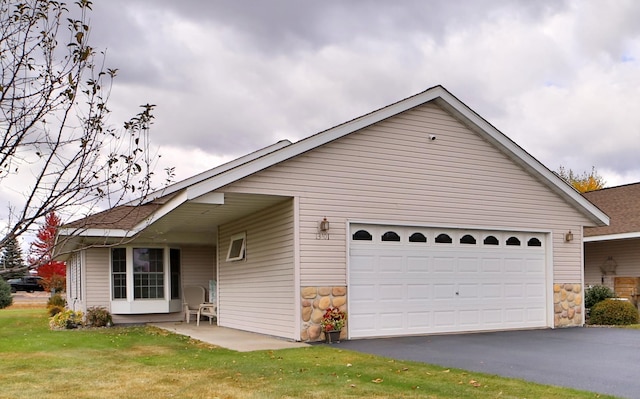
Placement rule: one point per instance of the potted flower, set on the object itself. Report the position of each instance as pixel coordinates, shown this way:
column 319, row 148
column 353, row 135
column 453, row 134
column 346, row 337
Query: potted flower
column 332, row 322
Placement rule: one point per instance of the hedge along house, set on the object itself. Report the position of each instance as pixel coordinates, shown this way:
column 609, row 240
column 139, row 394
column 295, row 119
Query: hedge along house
column 612, row 253
column 419, row 217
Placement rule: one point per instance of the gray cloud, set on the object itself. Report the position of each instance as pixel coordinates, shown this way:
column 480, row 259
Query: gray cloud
column 232, row 76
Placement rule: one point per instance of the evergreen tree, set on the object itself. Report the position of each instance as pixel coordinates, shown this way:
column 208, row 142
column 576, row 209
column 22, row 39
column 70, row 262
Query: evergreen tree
column 11, row 259
column 5, row 294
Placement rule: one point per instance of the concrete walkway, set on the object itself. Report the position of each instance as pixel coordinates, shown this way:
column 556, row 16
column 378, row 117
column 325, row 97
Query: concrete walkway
column 229, row 338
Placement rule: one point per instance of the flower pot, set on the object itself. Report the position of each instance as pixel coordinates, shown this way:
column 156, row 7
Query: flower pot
column 331, row 337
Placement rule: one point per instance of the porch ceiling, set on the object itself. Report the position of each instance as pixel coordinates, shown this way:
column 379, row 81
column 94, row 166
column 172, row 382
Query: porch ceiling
column 197, row 223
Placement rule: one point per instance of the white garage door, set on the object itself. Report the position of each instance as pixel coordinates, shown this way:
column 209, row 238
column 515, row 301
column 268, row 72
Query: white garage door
column 406, row 280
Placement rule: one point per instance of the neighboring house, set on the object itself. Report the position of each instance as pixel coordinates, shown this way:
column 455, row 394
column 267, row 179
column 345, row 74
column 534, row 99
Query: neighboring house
column 612, row 253
column 419, row 217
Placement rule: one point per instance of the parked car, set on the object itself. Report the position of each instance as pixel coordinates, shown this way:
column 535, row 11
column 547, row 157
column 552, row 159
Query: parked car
column 27, row 283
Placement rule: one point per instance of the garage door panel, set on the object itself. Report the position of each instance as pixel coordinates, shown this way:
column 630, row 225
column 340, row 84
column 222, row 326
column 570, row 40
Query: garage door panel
column 417, row 292
column 363, row 292
column 418, row 320
column 417, row 264
column 444, row 318
column 399, row 289
column 390, row 264
column 468, row 265
column 469, row 318
column 491, row 265
column 389, row 292
column 443, row 265
column 362, row 263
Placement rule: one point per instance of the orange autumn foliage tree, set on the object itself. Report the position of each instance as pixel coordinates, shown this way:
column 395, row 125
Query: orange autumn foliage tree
column 583, row 183
column 53, row 272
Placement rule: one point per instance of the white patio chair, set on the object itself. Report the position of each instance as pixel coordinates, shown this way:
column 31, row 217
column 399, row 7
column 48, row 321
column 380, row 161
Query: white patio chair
column 192, row 297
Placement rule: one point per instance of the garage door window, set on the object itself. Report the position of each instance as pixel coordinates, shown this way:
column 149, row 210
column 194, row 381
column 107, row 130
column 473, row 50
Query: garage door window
column 534, row 242
column 443, row 239
column 417, row 237
column 391, row 236
column 467, row 239
column 513, row 241
column 491, row 240
column 362, row 235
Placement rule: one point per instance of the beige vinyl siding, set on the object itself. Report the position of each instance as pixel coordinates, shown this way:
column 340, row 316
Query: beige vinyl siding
column 98, row 277
column 258, row 293
column 392, row 173
column 626, row 253
column 198, row 266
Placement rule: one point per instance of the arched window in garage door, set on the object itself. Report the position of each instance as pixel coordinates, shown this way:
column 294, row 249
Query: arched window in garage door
column 467, row 239
column 417, row 237
column 443, row 238
column 391, row 236
column 513, row 241
column 491, row 240
column 534, row 242
column 362, row 235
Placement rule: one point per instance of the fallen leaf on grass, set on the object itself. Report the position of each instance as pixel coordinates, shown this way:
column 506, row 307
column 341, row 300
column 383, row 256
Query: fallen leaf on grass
column 377, row 380
column 475, row 383
column 446, row 371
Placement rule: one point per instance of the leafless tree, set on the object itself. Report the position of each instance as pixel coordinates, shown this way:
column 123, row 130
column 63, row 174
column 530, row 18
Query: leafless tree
column 57, row 151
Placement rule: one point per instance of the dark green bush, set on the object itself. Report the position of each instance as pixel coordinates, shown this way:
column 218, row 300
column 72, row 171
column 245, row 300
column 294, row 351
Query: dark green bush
column 597, row 293
column 57, row 300
column 612, row 312
column 5, row 294
column 98, row 317
column 56, row 304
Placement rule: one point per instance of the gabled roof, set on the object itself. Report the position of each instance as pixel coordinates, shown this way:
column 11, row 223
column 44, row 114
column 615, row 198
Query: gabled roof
column 204, row 183
column 622, row 204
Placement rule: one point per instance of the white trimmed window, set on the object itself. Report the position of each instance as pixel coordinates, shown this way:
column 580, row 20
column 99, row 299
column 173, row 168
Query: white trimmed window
column 237, row 247
column 145, row 280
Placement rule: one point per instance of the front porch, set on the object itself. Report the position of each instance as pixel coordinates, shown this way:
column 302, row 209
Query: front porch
column 229, row 338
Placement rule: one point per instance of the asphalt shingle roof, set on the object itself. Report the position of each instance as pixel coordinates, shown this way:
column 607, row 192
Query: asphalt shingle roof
column 622, row 204
column 122, row 217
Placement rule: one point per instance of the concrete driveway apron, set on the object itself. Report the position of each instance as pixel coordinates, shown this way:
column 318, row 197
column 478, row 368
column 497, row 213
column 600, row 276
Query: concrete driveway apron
column 604, row 360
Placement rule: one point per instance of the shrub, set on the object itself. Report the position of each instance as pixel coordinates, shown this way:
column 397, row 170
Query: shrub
column 66, row 319
column 613, row 312
column 57, row 300
column 597, row 293
column 54, row 310
column 99, row 317
column 56, row 304
column 5, row 294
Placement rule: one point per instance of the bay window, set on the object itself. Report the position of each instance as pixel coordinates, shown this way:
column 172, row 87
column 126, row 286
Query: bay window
column 145, row 280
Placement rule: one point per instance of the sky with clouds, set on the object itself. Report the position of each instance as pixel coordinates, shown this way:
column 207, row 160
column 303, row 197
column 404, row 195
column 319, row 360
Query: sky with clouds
column 560, row 78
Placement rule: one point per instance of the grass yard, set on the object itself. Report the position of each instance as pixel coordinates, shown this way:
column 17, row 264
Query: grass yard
column 138, row 362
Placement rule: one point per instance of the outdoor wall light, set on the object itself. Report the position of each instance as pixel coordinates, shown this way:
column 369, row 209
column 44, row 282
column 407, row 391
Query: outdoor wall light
column 568, row 237
column 323, row 229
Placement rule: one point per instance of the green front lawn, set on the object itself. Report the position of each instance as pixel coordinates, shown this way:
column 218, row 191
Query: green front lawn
column 144, row 362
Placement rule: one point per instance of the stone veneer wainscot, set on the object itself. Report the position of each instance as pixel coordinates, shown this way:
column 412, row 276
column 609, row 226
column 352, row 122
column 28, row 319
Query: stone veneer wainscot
column 567, row 305
column 315, row 301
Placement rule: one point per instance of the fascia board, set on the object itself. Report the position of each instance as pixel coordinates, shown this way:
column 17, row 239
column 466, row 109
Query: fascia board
column 116, row 233
column 215, row 171
column 172, row 204
column 609, row 237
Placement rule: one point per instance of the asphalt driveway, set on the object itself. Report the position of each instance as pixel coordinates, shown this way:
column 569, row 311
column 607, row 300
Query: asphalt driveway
column 604, row 360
